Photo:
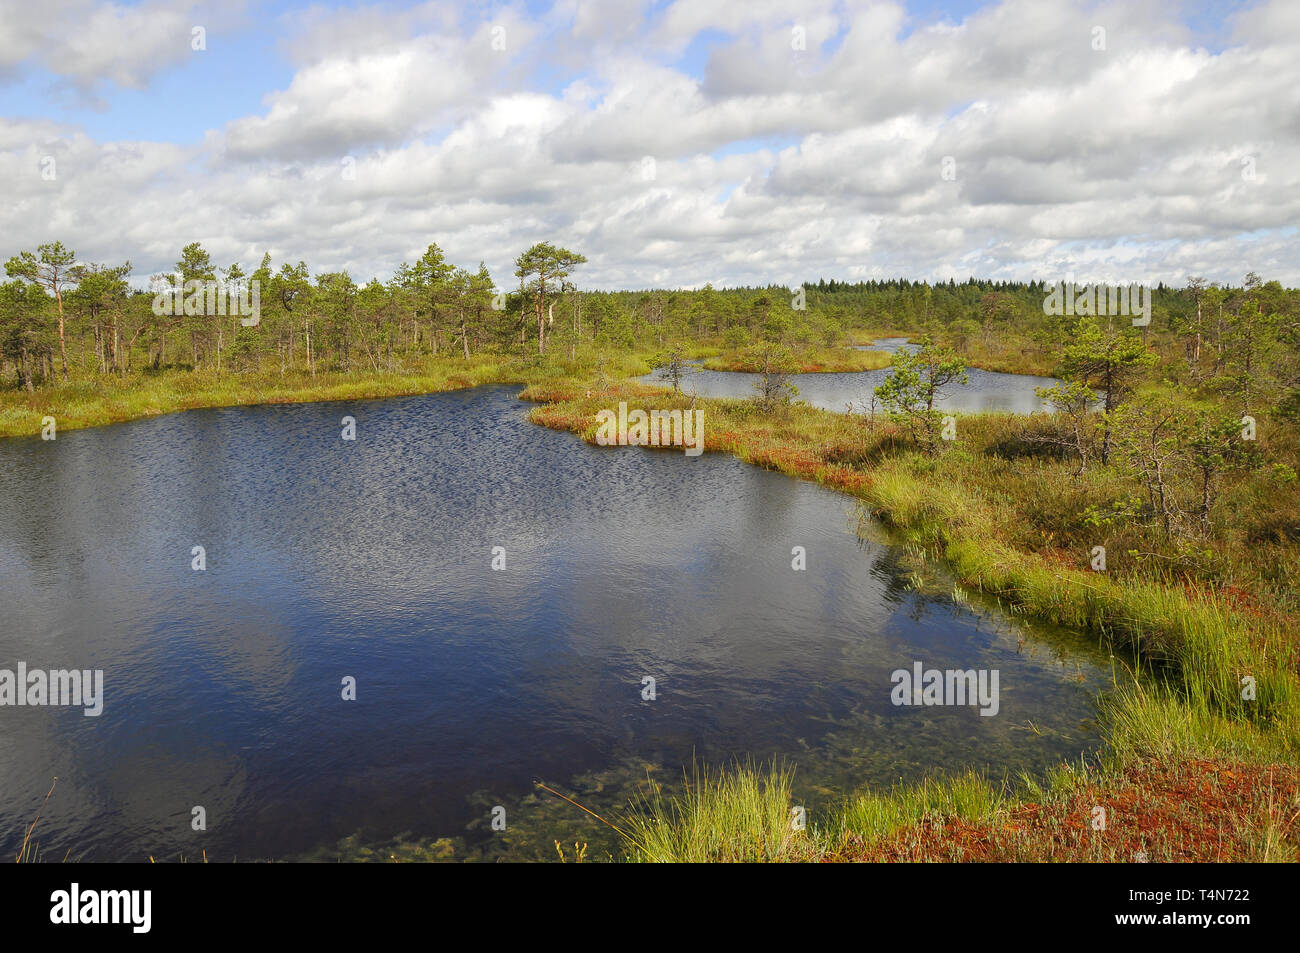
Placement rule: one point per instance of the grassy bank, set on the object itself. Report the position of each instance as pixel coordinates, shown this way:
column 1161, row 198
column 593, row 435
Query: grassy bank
column 93, row 401
column 1194, row 770
column 1190, row 810
column 106, row 400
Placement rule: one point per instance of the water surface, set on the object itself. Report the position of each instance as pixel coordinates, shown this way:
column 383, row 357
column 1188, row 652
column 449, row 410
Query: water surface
column 985, row 391
column 371, row 559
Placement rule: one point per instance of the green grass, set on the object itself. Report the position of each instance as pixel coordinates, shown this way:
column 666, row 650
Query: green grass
column 96, row 401
column 740, row 816
column 877, row 815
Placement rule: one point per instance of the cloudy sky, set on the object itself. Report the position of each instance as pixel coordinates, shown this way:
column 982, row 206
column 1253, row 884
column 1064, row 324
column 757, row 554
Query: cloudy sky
column 672, row 142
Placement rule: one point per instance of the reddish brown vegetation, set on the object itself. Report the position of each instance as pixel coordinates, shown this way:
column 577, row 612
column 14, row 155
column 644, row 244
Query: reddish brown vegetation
column 1201, row 811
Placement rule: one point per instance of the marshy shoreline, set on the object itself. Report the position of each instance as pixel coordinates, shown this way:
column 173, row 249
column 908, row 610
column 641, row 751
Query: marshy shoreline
column 1179, row 745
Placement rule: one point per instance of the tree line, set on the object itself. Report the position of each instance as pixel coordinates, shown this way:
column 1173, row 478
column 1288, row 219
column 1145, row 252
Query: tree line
column 54, row 306
column 59, row 315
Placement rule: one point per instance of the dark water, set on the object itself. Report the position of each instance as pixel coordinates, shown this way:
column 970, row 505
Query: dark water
column 371, row 559
column 984, row 391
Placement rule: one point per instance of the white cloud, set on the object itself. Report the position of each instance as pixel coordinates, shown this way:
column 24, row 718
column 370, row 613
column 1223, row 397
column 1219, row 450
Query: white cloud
column 1127, row 160
column 91, row 43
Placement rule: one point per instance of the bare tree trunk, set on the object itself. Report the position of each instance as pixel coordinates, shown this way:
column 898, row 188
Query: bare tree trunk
column 63, row 348
column 1198, row 328
column 124, row 352
column 541, row 312
column 577, row 327
column 26, row 372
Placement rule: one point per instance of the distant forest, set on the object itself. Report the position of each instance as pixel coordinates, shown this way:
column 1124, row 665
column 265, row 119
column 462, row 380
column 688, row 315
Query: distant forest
column 61, row 316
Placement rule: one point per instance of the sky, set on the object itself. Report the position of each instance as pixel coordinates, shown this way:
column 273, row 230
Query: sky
column 674, row 142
